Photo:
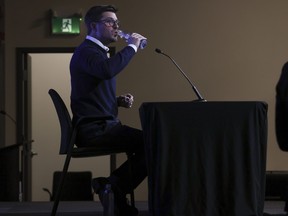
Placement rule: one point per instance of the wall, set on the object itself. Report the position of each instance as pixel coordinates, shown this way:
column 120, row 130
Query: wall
column 232, row 50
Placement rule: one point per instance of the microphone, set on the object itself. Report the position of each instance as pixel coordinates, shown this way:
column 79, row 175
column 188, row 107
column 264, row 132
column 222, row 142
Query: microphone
column 9, row 116
column 200, row 98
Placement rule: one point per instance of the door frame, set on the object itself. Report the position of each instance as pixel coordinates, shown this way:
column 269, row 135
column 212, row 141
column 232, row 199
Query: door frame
column 23, row 112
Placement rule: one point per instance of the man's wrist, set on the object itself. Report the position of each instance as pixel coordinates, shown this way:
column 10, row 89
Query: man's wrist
column 133, row 46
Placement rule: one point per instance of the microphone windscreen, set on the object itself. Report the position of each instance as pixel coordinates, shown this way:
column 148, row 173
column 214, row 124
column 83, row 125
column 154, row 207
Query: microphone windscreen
column 158, row 50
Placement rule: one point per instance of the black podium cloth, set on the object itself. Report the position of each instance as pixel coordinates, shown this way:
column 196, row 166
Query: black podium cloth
column 10, row 172
column 205, row 158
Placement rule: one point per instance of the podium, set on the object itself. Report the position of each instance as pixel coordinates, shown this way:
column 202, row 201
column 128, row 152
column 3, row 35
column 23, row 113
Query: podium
column 205, row 158
column 10, row 173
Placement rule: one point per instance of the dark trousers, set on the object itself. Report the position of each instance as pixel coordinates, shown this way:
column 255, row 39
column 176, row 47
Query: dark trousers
column 126, row 178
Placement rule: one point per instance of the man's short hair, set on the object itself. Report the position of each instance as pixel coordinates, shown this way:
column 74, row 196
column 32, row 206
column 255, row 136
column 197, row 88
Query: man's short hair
column 94, row 14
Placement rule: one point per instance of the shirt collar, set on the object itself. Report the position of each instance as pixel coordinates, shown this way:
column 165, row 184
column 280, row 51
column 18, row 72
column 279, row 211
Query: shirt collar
column 97, row 42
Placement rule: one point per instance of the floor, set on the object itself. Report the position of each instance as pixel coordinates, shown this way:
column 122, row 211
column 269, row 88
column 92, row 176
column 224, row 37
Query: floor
column 65, row 208
column 275, row 208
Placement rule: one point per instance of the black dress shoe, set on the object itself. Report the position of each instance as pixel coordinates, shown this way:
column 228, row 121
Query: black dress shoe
column 122, row 208
column 99, row 184
column 127, row 210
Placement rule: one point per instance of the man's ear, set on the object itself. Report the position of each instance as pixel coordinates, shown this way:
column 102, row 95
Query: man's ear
column 93, row 26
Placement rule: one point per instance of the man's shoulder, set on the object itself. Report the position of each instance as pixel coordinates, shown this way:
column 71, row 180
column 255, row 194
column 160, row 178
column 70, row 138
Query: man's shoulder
column 88, row 47
column 88, row 44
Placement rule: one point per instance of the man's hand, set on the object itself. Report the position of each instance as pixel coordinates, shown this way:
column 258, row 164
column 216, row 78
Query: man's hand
column 135, row 39
column 125, row 100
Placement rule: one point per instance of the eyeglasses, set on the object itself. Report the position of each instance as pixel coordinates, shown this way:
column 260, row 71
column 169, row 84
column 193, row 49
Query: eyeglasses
column 110, row 22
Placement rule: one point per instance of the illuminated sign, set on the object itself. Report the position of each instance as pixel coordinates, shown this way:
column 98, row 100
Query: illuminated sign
column 69, row 25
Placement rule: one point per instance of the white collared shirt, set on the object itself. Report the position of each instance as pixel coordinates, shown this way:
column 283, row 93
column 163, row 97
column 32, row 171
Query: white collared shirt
column 97, row 42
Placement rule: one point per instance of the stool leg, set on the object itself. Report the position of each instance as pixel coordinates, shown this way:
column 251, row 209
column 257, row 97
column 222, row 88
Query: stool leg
column 60, row 186
column 132, row 198
column 64, row 172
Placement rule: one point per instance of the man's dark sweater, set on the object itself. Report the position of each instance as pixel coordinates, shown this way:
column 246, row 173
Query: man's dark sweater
column 94, row 85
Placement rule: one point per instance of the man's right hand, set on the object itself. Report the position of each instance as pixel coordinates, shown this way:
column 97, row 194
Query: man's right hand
column 135, row 39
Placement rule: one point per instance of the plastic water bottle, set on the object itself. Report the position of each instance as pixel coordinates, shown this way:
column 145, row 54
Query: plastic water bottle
column 126, row 36
column 20, row 192
column 108, row 201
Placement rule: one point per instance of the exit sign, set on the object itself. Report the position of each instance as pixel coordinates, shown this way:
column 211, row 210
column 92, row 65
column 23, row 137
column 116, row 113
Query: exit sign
column 70, row 25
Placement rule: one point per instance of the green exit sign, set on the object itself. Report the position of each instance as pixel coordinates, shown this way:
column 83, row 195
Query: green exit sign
column 70, row 25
